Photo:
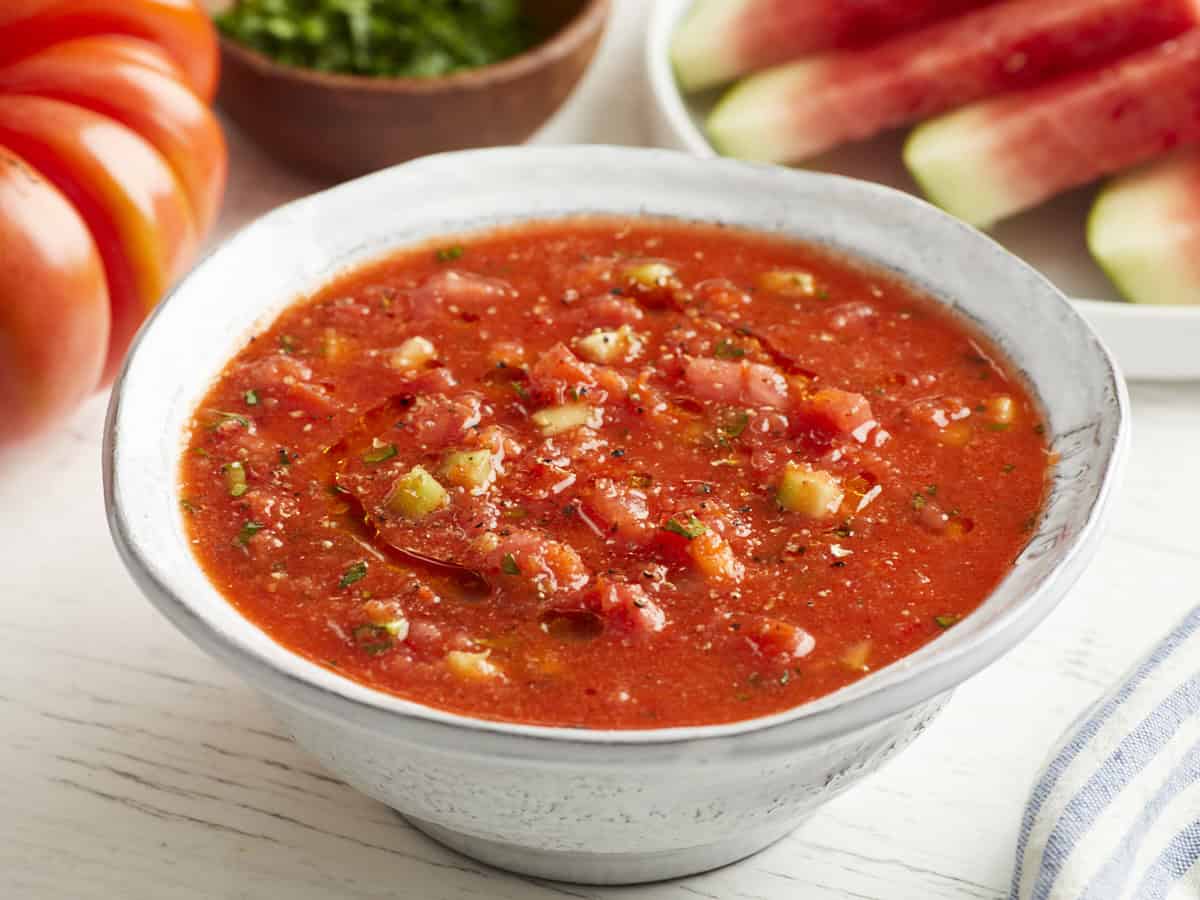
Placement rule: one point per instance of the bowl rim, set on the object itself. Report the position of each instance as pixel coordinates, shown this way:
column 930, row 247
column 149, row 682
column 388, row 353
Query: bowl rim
column 591, row 17
column 800, row 725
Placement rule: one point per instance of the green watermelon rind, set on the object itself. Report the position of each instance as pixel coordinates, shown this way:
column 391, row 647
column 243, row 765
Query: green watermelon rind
column 1145, row 272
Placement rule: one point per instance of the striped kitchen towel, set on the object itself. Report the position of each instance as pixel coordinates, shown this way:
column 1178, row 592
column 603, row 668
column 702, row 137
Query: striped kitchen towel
column 1115, row 815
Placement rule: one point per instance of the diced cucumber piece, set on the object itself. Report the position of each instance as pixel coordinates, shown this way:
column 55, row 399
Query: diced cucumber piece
column 569, row 416
column 472, row 470
column 810, row 492
column 415, row 494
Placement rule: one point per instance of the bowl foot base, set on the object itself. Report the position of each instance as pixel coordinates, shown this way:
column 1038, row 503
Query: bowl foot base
column 605, row 868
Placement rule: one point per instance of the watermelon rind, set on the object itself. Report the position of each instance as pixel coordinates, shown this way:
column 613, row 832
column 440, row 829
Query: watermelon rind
column 1137, row 236
column 704, row 51
column 944, row 156
column 751, row 121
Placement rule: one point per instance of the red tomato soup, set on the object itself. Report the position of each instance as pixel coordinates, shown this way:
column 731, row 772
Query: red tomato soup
column 612, row 474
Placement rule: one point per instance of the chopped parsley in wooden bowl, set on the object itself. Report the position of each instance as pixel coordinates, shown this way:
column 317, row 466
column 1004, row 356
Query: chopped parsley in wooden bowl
column 340, row 88
column 382, row 38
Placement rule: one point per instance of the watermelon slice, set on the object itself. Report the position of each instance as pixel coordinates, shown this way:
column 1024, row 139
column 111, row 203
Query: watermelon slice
column 723, row 39
column 800, row 110
column 999, row 157
column 1145, row 231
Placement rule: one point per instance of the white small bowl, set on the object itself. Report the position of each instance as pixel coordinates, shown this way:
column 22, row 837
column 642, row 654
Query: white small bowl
column 1149, row 342
column 575, row 804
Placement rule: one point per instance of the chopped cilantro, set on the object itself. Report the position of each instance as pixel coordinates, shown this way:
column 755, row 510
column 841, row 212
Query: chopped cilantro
column 251, row 398
column 918, row 501
column 287, row 343
column 379, row 454
column 382, row 38
column 223, row 417
column 691, row 529
column 235, row 478
column 249, row 529
column 356, row 572
column 449, row 254
column 509, row 566
column 188, row 506
column 373, row 639
column 284, row 459
column 946, row 621
column 726, row 349
column 731, row 426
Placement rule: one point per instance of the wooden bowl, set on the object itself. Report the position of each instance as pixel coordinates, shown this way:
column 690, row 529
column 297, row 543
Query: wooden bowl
column 342, row 126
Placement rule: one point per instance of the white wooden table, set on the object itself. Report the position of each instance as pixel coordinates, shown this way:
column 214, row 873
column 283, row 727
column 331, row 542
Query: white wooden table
column 132, row 766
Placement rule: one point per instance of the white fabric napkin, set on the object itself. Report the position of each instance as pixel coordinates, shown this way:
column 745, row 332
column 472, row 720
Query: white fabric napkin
column 1115, row 814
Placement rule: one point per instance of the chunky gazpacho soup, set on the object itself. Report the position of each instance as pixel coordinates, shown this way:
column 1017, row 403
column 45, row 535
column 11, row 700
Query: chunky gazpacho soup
column 612, row 474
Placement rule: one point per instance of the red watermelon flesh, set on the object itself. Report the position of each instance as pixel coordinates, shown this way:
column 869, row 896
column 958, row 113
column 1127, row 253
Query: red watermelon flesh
column 798, row 111
column 724, row 39
column 994, row 159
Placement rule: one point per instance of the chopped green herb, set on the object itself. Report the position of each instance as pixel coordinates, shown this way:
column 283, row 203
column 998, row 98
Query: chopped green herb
column 249, row 530
column 509, row 566
column 251, row 398
column 726, row 349
column 200, row 451
column 946, row 621
column 356, row 572
column 731, row 426
column 691, row 529
column 381, row 38
column 931, row 490
column 379, row 454
column 1008, row 467
column 188, row 506
column 918, row 501
column 449, row 254
column 519, row 389
column 223, row 417
column 998, row 426
column 374, row 639
column 235, row 478
column 284, row 459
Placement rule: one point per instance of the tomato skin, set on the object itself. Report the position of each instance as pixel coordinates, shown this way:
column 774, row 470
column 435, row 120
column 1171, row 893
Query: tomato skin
column 123, row 189
column 129, row 80
column 53, row 339
column 181, row 27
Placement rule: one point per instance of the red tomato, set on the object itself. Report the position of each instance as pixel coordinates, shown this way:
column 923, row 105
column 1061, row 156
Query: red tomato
column 134, row 83
column 181, row 27
column 51, row 350
column 104, row 103
column 124, row 190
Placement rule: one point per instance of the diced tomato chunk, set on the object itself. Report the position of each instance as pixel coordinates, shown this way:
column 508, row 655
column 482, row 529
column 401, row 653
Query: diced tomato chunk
column 552, row 566
column 559, row 375
column 777, row 640
column 619, row 510
column 738, row 383
column 839, row 412
column 627, row 607
column 606, row 311
column 437, row 420
column 714, row 558
column 456, row 292
column 284, row 382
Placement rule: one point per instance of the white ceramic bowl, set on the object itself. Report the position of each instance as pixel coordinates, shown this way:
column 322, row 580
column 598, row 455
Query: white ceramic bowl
column 1149, row 342
column 602, row 806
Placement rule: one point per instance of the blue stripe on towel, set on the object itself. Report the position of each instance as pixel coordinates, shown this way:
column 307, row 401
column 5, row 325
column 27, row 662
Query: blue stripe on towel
column 1112, row 877
column 1133, row 753
column 1080, row 807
